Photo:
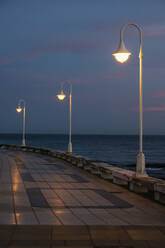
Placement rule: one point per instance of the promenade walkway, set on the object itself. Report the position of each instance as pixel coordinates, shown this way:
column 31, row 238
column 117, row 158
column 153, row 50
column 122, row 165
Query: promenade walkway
column 46, row 202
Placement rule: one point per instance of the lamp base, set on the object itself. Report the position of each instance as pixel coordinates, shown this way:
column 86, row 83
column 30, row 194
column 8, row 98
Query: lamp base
column 140, row 165
column 23, row 143
column 70, row 147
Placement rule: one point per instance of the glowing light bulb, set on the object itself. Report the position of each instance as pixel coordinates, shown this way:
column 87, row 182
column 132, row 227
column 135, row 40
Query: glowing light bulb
column 121, row 57
column 19, row 109
column 61, row 96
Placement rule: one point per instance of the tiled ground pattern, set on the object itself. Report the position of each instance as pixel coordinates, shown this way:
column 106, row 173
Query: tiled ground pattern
column 37, row 191
column 40, row 236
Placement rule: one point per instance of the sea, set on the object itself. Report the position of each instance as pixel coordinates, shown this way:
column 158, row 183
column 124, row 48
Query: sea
column 118, row 150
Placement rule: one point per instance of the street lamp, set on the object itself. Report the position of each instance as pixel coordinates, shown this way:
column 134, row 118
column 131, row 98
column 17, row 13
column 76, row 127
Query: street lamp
column 122, row 55
column 61, row 96
column 19, row 110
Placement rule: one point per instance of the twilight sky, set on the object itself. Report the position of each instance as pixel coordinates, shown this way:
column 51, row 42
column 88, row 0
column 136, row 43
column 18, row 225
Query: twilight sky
column 43, row 42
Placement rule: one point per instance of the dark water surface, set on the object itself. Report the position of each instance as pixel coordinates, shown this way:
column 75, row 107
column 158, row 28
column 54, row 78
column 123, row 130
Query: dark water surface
column 120, row 150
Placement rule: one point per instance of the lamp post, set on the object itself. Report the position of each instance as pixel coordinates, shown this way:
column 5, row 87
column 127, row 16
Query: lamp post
column 121, row 55
column 19, row 109
column 61, row 96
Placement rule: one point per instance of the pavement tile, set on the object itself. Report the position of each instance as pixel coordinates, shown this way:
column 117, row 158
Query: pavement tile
column 21, row 200
column 6, row 199
column 107, row 244
column 27, row 218
column 7, row 218
column 133, row 244
column 97, row 198
column 108, row 218
column 18, row 187
column 162, row 229
column 67, row 198
column 6, row 208
column 78, row 243
column 4, row 243
column 58, row 243
column 80, row 246
column 23, row 209
column 6, row 193
column 82, row 198
column 55, row 203
column 108, row 233
column 139, row 217
column 36, row 198
column 49, row 194
column 156, row 244
column 43, row 185
column 5, row 187
column 32, row 233
column 46, row 216
column 5, row 233
column 146, row 234
column 87, row 217
column 29, row 244
column 70, row 233
column 67, row 217
column 18, row 194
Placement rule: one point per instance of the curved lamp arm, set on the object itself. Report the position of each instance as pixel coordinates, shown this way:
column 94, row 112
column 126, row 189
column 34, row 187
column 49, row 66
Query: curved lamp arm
column 66, row 82
column 23, row 102
column 140, row 34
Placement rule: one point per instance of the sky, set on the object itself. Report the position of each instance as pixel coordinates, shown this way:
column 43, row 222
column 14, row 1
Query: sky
column 44, row 42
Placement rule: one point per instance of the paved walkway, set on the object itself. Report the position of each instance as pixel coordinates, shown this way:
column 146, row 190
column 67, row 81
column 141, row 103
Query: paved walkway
column 40, row 195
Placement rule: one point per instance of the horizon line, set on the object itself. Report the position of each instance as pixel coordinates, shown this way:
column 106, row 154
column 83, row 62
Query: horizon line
column 82, row 134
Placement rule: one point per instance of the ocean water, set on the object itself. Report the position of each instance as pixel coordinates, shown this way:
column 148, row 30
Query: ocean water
column 119, row 150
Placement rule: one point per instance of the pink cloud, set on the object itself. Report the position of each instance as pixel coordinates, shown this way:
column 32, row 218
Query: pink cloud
column 154, row 30
column 156, row 64
column 74, row 46
column 159, row 94
column 79, row 80
column 149, row 109
column 49, row 78
column 117, row 75
column 5, row 60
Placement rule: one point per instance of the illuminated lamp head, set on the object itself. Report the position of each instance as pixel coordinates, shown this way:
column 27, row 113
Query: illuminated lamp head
column 19, row 109
column 61, row 96
column 121, row 54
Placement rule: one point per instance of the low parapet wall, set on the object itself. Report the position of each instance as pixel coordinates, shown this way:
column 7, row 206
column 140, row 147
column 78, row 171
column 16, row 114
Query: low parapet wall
column 148, row 186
